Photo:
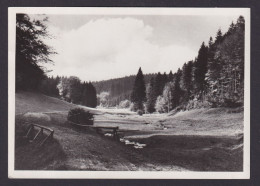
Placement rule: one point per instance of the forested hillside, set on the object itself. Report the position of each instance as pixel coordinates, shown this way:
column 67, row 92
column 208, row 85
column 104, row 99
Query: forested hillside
column 119, row 89
column 214, row 78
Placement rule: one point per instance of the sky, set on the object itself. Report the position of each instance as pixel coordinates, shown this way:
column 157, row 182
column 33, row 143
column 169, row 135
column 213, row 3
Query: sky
column 102, row 47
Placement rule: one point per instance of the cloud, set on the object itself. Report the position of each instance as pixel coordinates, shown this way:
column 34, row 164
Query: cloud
column 113, row 47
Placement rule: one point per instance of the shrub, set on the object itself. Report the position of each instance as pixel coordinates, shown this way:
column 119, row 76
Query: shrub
column 134, row 107
column 197, row 104
column 231, row 103
column 124, row 104
column 140, row 112
column 80, row 116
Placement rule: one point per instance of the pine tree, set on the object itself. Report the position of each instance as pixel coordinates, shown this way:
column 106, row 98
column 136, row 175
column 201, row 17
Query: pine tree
column 232, row 72
column 92, row 96
column 157, row 89
column 213, row 73
column 48, row 86
column 218, row 37
column 89, row 95
column 138, row 94
column 231, row 29
column 164, row 79
column 186, row 80
column 210, row 42
column 176, row 90
column 200, row 69
column 170, row 76
column 226, row 67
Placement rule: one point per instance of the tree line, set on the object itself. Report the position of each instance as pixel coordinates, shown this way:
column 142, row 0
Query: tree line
column 214, row 78
column 70, row 89
column 111, row 92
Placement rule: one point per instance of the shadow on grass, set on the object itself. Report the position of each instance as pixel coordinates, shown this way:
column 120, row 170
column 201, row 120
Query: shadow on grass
column 50, row 156
column 196, row 153
column 30, row 156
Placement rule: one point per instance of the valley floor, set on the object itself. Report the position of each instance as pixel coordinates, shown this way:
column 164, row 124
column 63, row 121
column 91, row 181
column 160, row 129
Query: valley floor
column 196, row 140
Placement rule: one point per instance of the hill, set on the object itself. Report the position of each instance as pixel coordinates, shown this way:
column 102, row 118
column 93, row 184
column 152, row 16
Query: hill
column 37, row 102
column 119, row 88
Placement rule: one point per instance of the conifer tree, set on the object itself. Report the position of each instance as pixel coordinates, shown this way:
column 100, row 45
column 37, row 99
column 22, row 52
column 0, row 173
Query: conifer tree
column 92, row 96
column 176, row 90
column 218, row 37
column 89, row 95
column 138, row 96
column 214, row 69
column 226, row 66
column 200, row 69
column 231, row 28
column 210, row 42
column 157, row 89
column 186, row 80
column 231, row 52
column 170, row 76
column 164, row 79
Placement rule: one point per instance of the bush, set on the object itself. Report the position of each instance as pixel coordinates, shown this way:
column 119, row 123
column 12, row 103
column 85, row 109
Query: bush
column 197, row 104
column 140, row 112
column 134, row 107
column 124, row 104
column 231, row 103
column 80, row 116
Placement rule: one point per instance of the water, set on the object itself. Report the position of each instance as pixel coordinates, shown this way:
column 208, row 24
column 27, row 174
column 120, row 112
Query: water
column 136, row 145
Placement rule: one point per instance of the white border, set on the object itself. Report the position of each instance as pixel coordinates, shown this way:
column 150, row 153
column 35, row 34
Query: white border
column 124, row 174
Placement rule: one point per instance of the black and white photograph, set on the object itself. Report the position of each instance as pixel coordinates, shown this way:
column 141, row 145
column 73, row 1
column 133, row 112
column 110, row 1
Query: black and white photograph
column 129, row 93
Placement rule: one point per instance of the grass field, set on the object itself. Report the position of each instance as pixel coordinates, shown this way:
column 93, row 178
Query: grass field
column 196, row 140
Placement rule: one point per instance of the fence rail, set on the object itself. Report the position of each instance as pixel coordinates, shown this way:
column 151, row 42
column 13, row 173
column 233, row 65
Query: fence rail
column 39, row 133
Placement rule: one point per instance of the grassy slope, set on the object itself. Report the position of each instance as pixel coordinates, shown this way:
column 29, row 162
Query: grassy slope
column 72, row 149
column 214, row 122
column 35, row 102
column 204, row 139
